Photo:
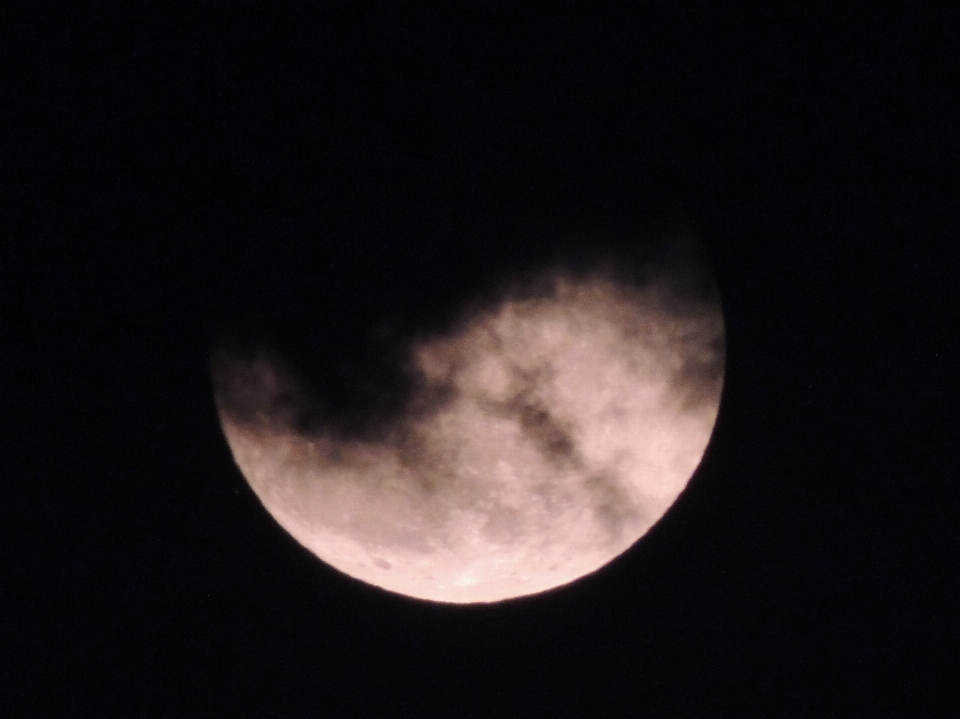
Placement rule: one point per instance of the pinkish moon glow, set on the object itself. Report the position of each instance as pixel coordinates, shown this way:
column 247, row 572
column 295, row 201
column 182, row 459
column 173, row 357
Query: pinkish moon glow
column 549, row 430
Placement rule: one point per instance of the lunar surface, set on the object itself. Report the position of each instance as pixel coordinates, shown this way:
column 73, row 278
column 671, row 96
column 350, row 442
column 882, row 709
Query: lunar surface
column 546, row 432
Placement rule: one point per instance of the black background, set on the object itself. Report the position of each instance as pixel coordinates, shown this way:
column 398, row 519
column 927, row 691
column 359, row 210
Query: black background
column 165, row 172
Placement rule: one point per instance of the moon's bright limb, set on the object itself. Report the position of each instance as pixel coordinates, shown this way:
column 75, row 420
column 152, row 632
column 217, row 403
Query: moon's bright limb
column 547, row 433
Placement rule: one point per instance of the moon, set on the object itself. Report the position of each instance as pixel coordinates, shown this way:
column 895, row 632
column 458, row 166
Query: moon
column 546, row 430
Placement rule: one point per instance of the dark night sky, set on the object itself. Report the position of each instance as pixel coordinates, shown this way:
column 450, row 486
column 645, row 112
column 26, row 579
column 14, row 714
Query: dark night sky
column 166, row 173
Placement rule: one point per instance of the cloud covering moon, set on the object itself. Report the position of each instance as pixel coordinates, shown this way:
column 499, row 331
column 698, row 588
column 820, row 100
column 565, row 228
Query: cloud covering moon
column 545, row 432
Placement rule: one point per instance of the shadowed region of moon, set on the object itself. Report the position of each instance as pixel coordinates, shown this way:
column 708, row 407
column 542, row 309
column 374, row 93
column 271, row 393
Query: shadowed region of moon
column 544, row 432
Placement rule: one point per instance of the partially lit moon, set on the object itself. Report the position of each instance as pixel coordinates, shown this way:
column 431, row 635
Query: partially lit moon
column 547, row 431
